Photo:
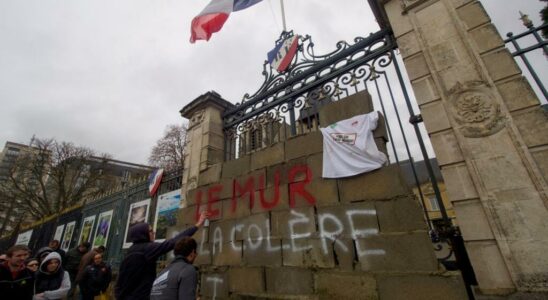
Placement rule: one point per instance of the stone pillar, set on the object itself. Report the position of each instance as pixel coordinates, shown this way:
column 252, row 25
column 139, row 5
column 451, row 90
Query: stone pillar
column 205, row 137
column 489, row 134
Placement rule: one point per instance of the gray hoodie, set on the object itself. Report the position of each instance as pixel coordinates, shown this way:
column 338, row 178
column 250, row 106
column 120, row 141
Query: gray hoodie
column 58, row 293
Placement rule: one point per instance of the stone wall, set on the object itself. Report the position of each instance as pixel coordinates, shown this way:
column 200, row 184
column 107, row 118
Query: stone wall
column 489, row 135
column 280, row 231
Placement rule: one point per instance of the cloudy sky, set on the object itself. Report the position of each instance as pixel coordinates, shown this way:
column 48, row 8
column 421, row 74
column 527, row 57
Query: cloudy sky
column 111, row 75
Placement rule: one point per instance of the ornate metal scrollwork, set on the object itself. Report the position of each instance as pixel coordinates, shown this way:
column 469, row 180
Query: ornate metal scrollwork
column 330, row 74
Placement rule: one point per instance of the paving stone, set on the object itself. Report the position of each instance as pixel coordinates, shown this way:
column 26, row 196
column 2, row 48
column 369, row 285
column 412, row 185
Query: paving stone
column 268, row 156
column 347, row 221
column 384, row 183
column 421, row 287
column 214, row 285
column 289, row 281
column 400, row 215
column 229, row 254
column 306, row 252
column 294, row 147
column 402, row 252
column 211, row 175
column 356, row 104
column 236, row 167
column 337, row 285
column 297, row 223
column 246, row 280
column 262, row 252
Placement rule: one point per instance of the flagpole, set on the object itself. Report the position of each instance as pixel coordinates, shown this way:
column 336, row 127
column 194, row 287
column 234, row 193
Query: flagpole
column 283, row 14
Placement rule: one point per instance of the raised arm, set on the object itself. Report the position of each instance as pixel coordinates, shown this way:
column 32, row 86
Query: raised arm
column 154, row 250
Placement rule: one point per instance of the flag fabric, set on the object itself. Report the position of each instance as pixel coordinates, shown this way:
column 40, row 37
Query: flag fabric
column 154, row 181
column 214, row 15
column 281, row 56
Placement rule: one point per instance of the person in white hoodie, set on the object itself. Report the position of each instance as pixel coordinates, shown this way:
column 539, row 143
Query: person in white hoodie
column 52, row 282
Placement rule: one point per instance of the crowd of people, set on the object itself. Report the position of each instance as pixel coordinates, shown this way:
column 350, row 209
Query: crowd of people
column 82, row 274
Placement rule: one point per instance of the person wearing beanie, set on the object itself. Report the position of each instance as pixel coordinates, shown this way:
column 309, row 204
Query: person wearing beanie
column 52, row 281
column 138, row 269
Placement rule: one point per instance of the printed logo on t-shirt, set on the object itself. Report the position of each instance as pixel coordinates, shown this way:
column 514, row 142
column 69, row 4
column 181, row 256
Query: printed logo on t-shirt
column 344, row 138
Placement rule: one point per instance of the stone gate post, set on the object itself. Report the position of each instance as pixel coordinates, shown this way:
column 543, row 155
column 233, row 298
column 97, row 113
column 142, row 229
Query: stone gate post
column 205, row 136
column 489, row 134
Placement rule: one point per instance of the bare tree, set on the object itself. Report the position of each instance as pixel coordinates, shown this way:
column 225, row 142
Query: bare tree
column 168, row 151
column 51, row 176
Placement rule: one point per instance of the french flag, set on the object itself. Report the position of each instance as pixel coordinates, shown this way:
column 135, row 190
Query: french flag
column 154, row 181
column 281, row 56
column 214, row 15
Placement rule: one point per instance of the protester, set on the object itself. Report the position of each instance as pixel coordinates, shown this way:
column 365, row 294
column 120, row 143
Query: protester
column 95, row 278
column 73, row 258
column 179, row 279
column 54, row 245
column 52, row 281
column 138, row 269
column 42, row 253
column 32, row 264
column 16, row 281
column 87, row 260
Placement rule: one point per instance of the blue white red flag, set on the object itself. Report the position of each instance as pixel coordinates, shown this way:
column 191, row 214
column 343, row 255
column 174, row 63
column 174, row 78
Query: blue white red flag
column 154, row 181
column 281, row 56
column 213, row 17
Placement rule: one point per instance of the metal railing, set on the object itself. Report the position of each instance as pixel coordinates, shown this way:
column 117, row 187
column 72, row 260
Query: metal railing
column 539, row 43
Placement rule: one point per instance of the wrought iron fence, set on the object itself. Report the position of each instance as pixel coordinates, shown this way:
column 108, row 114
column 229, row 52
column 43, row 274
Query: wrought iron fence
column 287, row 103
column 538, row 42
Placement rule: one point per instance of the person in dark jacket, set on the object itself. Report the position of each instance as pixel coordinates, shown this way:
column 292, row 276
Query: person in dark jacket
column 87, row 260
column 52, row 281
column 138, row 269
column 179, row 279
column 95, row 278
column 54, row 245
column 73, row 258
column 16, row 281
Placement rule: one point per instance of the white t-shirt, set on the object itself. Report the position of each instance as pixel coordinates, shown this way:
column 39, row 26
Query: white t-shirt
column 349, row 147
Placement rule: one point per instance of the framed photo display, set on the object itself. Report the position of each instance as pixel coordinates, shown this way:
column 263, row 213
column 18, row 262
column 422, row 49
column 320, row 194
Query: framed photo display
column 103, row 228
column 138, row 213
column 87, row 229
column 166, row 213
column 67, row 236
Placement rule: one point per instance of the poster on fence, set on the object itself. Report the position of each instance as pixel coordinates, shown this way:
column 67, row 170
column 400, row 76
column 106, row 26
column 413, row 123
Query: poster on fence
column 87, row 227
column 24, row 238
column 67, row 237
column 138, row 213
column 166, row 213
column 103, row 228
column 59, row 232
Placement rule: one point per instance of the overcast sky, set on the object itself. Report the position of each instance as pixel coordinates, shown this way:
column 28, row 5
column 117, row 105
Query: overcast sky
column 111, row 75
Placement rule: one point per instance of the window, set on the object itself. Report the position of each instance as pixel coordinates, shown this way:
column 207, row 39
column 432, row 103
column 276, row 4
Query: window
column 433, row 203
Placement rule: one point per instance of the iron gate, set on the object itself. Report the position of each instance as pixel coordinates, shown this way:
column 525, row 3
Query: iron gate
column 287, row 104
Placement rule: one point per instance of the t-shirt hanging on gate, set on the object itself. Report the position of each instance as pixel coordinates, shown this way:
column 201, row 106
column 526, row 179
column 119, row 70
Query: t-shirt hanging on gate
column 349, row 147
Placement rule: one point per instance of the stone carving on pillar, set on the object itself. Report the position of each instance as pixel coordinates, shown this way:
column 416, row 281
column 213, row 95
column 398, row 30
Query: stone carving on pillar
column 197, row 118
column 475, row 109
column 192, row 183
column 406, row 5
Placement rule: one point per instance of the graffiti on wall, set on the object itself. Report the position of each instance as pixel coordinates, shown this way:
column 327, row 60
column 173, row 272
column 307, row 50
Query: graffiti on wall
column 254, row 233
